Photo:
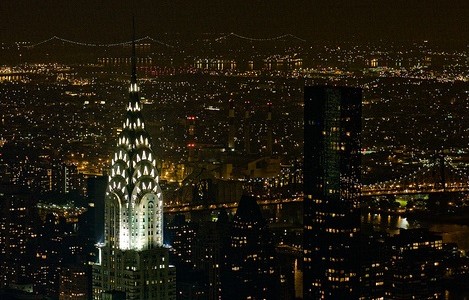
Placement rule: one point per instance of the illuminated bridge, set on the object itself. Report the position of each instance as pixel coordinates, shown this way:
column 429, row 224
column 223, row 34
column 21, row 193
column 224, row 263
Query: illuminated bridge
column 175, row 208
column 439, row 176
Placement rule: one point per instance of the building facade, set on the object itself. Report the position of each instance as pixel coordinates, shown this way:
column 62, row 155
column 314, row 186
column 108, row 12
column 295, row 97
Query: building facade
column 416, row 266
column 250, row 269
column 132, row 258
column 332, row 191
column 17, row 229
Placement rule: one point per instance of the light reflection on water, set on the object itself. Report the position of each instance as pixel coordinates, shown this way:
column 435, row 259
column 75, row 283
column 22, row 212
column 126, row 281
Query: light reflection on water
column 298, row 280
column 455, row 296
column 451, row 233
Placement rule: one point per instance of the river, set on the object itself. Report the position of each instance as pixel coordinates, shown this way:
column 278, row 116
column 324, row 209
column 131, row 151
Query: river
column 451, row 233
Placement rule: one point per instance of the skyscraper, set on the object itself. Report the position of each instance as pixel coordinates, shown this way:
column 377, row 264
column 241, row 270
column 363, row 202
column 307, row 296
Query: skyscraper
column 250, row 266
column 231, row 126
column 247, row 127
column 132, row 258
column 17, row 228
column 332, row 190
column 269, row 124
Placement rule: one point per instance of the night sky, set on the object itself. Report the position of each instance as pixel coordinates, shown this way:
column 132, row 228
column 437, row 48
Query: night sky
column 109, row 20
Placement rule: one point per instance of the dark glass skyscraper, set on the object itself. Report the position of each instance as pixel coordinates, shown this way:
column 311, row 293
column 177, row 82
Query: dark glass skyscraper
column 332, row 192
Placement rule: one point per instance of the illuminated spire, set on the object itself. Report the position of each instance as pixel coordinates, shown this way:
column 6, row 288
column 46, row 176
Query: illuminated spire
column 132, row 257
column 134, row 201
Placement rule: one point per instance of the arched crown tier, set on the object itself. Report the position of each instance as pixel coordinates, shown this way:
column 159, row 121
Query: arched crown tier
column 121, row 156
column 144, row 186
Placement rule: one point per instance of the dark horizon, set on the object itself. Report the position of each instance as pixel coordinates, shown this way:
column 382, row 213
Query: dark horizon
column 110, row 21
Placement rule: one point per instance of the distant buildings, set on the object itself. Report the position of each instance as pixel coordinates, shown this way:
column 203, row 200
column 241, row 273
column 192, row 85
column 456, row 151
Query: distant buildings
column 132, row 258
column 182, row 236
column 332, row 169
column 36, row 253
column 74, row 283
column 415, row 268
column 43, row 175
column 18, row 218
column 413, row 264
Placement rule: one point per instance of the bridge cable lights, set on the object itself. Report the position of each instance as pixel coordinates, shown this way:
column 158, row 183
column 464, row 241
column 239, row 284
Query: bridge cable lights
column 259, row 39
column 98, row 45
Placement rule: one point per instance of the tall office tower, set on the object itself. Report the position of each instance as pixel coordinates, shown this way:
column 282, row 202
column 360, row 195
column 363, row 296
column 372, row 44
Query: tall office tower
column 269, row 129
column 332, row 191
column 231, row 126
column 181, row 235
column 373, row 266
column 191, row 137
column 63, row 178
column 250, row 266
column 247, row 127
column 47, row 253
column 96, row 187
column 133, row 259
column 208, row 253
column 18, row 223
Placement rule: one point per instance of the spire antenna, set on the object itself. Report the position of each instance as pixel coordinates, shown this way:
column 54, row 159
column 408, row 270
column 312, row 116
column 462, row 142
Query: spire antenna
column 134, row 56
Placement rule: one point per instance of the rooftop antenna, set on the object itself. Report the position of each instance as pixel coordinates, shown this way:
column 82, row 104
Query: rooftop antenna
column 134, row 57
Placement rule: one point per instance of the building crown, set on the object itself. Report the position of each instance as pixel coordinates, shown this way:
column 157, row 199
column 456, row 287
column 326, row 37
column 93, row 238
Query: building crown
column 134, row 200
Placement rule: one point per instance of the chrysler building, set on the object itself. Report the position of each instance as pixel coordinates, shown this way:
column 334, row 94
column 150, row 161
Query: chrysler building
column 133, row 259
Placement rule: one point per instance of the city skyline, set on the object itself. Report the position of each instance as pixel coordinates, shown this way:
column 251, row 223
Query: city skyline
column 233, row 141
